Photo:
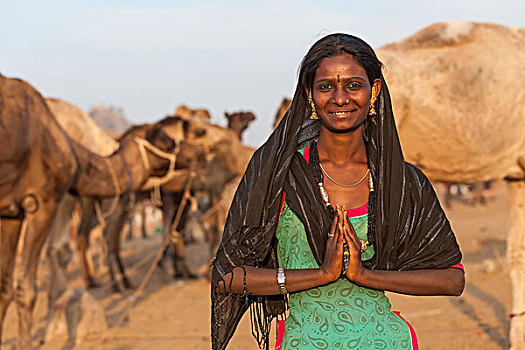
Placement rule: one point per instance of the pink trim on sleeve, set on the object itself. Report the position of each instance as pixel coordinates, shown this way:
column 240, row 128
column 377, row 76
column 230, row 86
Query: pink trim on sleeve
column 280, row 334
column 459, row 266
column 413, row 336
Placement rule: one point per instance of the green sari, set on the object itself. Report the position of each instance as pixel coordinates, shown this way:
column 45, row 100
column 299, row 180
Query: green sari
column 340, row 315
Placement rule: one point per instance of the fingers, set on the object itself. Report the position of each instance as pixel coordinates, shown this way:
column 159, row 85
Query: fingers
column 349, row 232
column 340, row 232
column 333, row 229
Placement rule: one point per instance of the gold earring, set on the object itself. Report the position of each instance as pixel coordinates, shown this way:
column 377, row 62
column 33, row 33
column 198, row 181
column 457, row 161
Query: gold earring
column 314, row 113
column 372, row 110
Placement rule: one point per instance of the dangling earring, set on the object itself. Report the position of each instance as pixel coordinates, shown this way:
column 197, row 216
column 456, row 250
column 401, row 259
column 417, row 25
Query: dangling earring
column 372, row 110
column 314, row 113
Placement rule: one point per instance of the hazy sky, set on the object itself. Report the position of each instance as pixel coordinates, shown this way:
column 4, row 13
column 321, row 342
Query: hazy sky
column 150, row 56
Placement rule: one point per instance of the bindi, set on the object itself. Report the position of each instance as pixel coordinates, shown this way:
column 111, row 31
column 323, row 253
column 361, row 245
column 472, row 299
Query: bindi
column 338, row 79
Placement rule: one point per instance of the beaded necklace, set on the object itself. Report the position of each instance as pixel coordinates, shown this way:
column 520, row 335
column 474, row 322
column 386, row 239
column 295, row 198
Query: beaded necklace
column 319, row 177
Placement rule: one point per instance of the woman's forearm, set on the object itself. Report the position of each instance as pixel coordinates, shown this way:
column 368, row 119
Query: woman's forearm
column 264, row 281
column 450, row 281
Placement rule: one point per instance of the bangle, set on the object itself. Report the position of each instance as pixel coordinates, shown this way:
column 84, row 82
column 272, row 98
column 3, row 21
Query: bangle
column 281, row 279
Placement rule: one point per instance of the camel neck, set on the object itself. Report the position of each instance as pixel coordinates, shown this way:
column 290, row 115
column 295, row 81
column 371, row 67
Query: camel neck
column 107, row 176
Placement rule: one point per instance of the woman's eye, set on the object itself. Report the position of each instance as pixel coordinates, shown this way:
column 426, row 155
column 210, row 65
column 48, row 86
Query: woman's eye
column 324, row 86
column 355, row 85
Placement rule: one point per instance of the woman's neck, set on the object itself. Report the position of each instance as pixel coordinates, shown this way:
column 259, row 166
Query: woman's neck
column 342, row 148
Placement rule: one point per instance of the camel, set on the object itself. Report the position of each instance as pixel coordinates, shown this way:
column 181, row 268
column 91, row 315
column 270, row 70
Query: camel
column 460, row 109
column 283, row 107
column 82, row 129
column 189, row 158
column 239, row 121
column 188, row 113
column 39, row 163
column 220, row 169
column 232, row 155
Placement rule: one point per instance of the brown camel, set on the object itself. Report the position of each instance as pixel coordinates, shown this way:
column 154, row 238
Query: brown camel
column 39, row 163
column 221, row 167
column 232, row 157
column 188, row 113
column 239, row 121
column 190, row 158
column 285, row 104
column 82, row 129
column 460, row 108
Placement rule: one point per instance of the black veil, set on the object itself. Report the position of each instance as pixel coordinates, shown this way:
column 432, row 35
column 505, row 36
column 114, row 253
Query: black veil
column 407, row 225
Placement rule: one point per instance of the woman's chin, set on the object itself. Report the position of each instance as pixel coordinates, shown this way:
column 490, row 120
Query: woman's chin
column 342, row 126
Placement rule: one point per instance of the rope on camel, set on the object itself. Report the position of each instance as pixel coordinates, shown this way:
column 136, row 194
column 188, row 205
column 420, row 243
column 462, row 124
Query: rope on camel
column 103, row 216
column 134, row 297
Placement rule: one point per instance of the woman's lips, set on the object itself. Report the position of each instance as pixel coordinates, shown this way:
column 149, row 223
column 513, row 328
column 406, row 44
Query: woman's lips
column 342, row 113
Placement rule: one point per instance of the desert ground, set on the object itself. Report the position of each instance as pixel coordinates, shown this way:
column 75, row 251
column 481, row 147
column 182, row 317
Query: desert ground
column 175, row 314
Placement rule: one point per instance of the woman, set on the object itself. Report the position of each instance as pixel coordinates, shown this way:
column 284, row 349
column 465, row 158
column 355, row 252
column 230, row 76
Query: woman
column 288, row 231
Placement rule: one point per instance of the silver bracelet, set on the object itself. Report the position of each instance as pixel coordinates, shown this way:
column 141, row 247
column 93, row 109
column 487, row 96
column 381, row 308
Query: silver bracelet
column 281, row 279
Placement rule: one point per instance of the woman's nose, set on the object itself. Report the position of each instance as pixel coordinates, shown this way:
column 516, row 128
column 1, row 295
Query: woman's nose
column 340, row 97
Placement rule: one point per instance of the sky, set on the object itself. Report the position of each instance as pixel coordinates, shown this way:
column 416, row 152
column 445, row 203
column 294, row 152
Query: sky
column 148, row 57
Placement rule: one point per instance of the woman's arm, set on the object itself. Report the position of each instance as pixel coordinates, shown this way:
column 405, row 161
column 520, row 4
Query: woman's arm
column 264, row 281
column 449, row 281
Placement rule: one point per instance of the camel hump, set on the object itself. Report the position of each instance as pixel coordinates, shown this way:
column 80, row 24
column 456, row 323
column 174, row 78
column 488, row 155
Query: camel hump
column 451, row 33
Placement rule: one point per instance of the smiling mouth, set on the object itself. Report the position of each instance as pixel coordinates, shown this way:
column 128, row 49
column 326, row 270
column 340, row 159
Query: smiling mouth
column 342, row 113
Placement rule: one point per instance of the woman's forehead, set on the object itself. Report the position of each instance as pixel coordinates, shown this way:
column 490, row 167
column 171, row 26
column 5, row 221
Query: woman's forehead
column 344, row 66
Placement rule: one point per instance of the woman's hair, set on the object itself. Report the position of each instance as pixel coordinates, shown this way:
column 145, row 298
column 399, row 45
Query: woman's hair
column 335, row 45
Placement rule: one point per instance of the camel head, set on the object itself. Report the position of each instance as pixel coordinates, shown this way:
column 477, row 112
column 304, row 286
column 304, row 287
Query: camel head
column 220, row 168
column 190, row 156
column 239, row 121
column 155, row 144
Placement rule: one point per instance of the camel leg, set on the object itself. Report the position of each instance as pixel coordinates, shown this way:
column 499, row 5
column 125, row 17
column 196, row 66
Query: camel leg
column 36, row 230
column 143, row 222
column 112, row 274
column 58, row 250
column 516, row 260
column 114, row 249
column 168, row 215
column 85, row 226
column 180, row 267
column 9, row 234
column 112, row 235
column 129, row 235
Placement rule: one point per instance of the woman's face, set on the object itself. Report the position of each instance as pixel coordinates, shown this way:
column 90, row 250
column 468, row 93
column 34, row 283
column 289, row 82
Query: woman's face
column 341, row 93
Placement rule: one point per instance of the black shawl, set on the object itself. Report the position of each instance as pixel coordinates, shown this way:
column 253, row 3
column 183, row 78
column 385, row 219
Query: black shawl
column 407, row 225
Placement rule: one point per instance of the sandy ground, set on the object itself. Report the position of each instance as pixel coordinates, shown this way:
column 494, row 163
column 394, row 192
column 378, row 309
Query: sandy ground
column 176, row 314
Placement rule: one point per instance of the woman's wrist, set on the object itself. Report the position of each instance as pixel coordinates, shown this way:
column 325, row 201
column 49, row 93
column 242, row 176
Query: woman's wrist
column 325, row 276
column 361, row 277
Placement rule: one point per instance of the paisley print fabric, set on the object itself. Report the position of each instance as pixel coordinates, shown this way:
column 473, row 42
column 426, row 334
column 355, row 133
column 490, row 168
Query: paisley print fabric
column 340, row 315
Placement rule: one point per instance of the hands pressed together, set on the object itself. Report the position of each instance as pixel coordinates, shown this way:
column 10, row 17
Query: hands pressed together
column 342, row 230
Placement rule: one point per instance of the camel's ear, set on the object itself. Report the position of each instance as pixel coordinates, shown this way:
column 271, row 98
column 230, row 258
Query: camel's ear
column 228, row 116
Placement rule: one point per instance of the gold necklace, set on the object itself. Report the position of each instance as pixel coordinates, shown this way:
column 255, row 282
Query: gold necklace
column 326, row 200
column 343, row 185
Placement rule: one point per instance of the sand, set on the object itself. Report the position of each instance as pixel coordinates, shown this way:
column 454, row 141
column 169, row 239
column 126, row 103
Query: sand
column 176, row 314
